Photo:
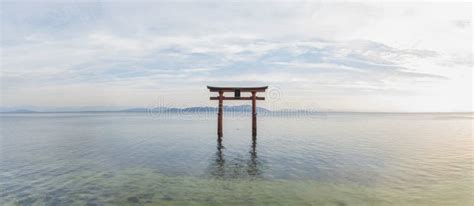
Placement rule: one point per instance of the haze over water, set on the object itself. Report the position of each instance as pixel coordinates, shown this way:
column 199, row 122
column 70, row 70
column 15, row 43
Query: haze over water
column 326, row 159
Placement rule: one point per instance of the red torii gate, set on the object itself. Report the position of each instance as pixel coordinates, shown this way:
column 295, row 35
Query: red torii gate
column 237, row 91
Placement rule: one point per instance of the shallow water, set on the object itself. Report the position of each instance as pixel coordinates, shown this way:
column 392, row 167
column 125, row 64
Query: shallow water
column 147, row 159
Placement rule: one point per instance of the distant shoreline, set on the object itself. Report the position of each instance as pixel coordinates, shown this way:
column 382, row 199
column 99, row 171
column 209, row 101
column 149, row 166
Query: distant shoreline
column 270, row 112
column 208, row 109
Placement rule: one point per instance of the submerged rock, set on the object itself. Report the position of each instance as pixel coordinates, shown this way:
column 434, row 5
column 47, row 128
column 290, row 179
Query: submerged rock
column 340, row 203
column 167, row 197
column 210, row 199
column 133, row 199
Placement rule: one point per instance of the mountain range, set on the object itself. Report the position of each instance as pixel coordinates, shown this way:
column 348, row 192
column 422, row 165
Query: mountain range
column 238, row 108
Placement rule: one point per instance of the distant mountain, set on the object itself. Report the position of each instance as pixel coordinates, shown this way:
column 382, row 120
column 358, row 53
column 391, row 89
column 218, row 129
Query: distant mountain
column 139, row 109
column 240, row 108
column 134, row 110
column 227, row 109
column 244, row 108
column 297, row 111
column 63, row 109
column 20, row 111
column 192, row 109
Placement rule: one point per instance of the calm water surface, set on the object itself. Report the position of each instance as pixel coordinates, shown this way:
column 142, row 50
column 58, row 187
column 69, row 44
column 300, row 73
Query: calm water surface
column 144, row 159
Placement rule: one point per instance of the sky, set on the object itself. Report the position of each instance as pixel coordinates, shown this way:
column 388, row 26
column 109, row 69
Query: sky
column 318, row 55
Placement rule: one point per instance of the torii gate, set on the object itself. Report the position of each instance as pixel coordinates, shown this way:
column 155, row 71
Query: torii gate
column 237, row 91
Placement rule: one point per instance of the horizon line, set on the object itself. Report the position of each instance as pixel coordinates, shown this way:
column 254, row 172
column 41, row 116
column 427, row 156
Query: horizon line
column 25, row 111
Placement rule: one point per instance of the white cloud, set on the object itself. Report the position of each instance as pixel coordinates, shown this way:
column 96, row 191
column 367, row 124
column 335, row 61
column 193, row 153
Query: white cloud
column 88, row 54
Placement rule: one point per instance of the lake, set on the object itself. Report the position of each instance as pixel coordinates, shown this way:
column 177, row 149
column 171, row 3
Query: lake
column 319, row 159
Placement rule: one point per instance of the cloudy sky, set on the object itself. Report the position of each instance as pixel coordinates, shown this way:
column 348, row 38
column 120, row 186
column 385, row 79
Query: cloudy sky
column 345, row 56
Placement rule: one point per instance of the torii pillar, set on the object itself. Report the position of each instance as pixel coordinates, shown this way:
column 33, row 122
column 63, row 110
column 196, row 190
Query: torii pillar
column 237, row 91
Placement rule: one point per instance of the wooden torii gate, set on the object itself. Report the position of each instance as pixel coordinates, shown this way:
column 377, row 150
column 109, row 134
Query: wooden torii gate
column 237, row 91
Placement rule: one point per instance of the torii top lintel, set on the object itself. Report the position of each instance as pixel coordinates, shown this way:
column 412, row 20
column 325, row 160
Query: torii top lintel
column 237, row 91
column 241, row 89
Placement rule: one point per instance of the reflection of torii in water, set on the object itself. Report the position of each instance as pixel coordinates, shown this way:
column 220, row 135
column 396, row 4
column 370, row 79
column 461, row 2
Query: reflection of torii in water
column 235, row 168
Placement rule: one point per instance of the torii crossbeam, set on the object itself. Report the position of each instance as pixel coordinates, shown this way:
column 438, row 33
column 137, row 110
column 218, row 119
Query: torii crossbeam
column 237, row 91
